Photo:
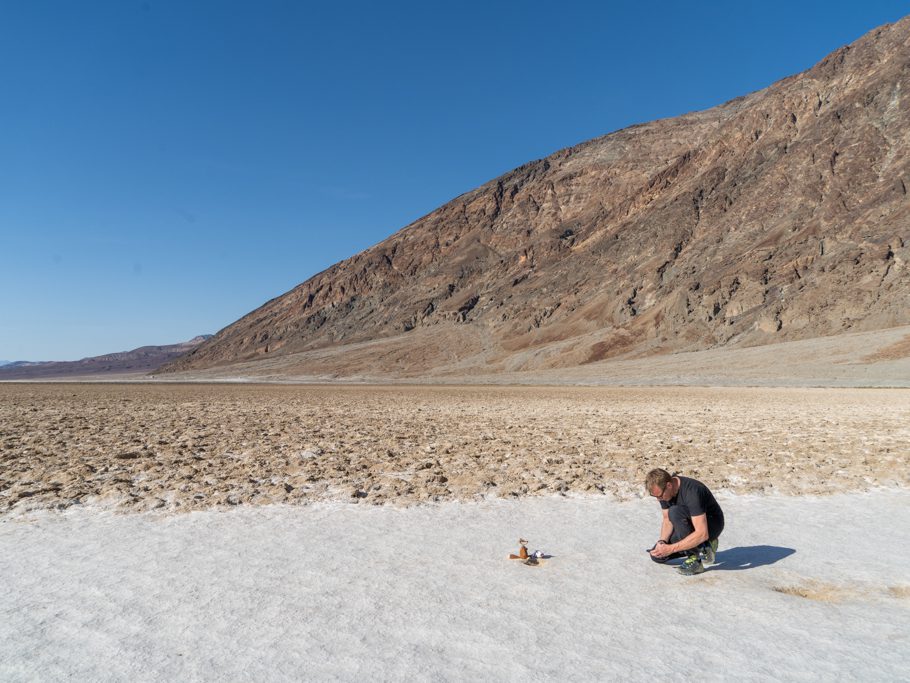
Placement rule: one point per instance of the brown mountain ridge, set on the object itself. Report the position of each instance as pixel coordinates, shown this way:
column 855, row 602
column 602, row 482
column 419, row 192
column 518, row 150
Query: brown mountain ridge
column 778, row 216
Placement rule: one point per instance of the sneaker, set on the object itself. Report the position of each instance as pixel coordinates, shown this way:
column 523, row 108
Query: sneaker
column 691, row 566
column 708, row 551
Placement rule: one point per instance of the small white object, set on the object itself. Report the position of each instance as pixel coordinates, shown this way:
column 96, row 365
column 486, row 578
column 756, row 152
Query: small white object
column 538, row 554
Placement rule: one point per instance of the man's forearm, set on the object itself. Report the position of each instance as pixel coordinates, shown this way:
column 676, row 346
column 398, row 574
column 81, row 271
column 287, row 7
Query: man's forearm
column 690, row 541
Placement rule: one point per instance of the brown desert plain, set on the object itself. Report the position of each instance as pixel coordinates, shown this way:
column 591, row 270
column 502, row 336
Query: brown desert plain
column 178, row 447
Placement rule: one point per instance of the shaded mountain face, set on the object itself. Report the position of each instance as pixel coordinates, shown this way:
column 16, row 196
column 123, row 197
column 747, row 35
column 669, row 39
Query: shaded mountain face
column 142, row 360
column 781, row 215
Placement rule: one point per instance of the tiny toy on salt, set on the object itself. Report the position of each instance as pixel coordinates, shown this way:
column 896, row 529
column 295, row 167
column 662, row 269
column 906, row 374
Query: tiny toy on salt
column 522, row 552
column 530, row 559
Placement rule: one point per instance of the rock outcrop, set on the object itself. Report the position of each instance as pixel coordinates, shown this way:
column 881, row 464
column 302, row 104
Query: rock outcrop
column 778, row 216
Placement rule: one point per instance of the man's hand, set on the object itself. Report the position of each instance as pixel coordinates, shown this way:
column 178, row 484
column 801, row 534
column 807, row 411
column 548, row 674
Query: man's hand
column 661, row 549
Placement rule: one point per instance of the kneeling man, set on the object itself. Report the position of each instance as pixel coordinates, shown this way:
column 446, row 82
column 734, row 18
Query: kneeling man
column 691, row 521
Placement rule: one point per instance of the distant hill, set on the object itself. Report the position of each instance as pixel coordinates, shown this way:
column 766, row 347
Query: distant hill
column 138, row 361
column 779, row 216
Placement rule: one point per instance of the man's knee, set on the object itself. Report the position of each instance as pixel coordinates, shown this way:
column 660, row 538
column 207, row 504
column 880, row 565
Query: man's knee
column 677, row 515
column 682, row 523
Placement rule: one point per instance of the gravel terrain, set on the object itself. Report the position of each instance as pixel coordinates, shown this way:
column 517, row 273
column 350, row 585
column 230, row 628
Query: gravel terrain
column 192, row 446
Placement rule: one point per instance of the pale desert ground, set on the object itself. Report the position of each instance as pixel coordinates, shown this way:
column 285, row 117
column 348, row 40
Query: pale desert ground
column 194, row 446
column 806, row 588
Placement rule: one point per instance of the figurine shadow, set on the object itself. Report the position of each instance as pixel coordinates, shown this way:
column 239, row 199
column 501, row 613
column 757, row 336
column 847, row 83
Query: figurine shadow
column 749, row 557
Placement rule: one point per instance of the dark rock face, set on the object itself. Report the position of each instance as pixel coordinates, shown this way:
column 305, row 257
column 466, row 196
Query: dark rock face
column 142, row 360
column 780, row 215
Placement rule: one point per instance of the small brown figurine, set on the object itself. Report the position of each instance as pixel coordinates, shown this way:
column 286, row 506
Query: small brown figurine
column 522, row 552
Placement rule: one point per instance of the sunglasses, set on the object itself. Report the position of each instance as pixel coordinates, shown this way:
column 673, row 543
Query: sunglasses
column 662, row 491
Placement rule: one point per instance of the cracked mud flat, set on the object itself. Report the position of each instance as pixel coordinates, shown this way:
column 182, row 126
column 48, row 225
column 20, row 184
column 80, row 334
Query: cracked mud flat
column 182, row 447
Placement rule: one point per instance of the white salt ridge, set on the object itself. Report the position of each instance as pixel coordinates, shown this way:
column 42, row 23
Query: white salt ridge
column 345, row 591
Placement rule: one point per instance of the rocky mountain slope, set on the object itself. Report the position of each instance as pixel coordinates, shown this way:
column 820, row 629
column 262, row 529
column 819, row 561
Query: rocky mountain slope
column 138, row 361
column 778, row 216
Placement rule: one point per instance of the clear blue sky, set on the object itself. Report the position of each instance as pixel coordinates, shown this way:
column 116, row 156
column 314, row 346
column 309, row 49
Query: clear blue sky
column 168, row 166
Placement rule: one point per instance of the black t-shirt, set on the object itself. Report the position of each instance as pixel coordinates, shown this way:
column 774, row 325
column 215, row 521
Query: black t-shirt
column 696, row 499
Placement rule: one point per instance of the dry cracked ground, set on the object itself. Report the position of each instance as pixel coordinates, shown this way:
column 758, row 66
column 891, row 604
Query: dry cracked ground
column 181, row 447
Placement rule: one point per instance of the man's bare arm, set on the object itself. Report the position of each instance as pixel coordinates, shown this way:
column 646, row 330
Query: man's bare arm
column 696, row 538
column 666, row 530
column 666, row 526
column 700, row 535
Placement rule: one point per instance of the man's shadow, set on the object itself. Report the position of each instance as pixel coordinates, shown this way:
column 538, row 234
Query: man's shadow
column 749, row 557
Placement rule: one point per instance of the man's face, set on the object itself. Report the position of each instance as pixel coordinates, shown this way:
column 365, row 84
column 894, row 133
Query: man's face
column 665, row 493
